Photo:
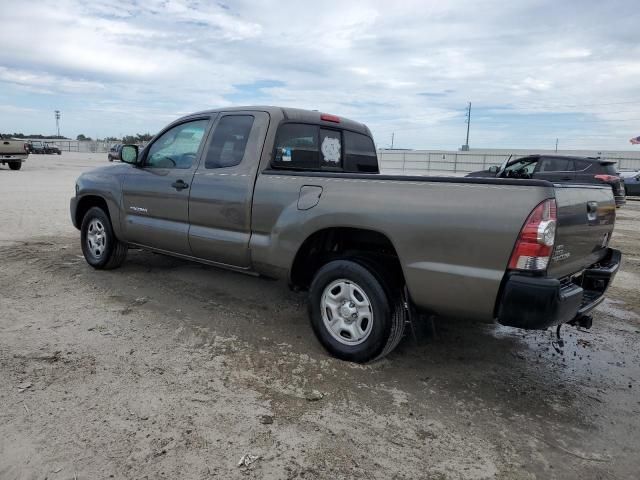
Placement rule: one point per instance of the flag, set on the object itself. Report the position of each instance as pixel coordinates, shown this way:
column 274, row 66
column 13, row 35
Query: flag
column 635, row 141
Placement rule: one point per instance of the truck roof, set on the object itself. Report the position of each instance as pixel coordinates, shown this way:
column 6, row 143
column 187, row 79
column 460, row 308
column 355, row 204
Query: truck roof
column 294, row 114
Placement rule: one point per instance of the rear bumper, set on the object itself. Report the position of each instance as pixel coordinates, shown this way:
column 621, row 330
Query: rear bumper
column 13, row 158
column 536, row 303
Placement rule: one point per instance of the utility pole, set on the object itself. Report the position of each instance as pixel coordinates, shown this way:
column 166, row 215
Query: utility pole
column 465, row 147
column 556, row 145
column 392, row 137
column 57, row 114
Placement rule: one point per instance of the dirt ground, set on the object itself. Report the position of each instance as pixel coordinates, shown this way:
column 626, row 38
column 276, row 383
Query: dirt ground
column 167, row 369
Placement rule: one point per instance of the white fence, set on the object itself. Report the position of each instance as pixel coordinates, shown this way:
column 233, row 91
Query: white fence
column 429, row 162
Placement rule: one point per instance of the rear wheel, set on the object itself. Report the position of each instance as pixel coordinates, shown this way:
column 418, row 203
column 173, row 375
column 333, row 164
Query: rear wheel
column 15, row 165
column 100, row 247
column 352, row 313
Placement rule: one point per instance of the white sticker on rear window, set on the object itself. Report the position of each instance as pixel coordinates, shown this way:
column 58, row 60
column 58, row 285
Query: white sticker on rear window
column 286, row 154
column 331, row 149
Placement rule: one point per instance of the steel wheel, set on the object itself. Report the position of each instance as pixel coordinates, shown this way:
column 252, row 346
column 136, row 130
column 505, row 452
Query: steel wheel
column 96, row 238
column 346, row 312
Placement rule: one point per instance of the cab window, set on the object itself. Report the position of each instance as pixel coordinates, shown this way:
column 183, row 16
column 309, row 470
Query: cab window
column 330, row 149
column 229, row 141
column 360, row 153
column 178, row 146
column 297, row 147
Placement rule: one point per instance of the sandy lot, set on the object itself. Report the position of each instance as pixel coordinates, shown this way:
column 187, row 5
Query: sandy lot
column 166, row 369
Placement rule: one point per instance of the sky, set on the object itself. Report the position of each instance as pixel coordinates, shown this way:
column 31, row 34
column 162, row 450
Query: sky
column 534, row 70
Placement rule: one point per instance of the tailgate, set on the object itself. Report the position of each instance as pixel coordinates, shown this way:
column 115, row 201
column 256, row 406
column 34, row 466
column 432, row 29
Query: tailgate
column 586, row 216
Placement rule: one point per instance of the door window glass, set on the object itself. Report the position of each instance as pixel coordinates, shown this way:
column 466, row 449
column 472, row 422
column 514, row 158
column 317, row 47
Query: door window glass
column 177, row 147
column 555, row 165
column 229, row 141
column 581, row 165
column 521, row 168
column 297, row 146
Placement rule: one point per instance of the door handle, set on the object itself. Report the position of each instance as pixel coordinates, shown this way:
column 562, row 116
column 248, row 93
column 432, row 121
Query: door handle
column 592, row 211
column 566, row 178
column 180, row 185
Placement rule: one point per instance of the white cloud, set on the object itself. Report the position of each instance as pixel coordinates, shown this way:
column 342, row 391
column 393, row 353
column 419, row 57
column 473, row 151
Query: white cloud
column 408, row 68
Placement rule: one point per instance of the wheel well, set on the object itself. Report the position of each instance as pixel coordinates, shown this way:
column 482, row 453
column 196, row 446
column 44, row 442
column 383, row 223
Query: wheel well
column 88, row 202
column 329, row 244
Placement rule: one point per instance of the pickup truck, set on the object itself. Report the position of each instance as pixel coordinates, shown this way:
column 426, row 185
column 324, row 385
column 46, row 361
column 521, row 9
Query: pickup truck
column 36, row 147
column 297, row 195
column 52, row 149
column 13, row 152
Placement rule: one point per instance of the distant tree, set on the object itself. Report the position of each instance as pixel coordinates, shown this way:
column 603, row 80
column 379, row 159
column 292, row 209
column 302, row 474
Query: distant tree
column 34, row 135
column 144, row 137
column 82, row 138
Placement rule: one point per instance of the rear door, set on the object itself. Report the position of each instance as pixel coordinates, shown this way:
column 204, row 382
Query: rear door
column 222, row 191
column 156, row 195
column 586, row 217
column 555, row 169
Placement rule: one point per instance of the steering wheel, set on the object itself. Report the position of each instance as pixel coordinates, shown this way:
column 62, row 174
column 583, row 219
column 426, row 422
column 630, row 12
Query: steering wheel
column 186, row 160
column 161, row 161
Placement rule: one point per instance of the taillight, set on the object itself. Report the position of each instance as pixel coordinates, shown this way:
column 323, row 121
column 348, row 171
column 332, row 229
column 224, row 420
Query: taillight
column 537, row 237
column 26, row 147
column 607, row 178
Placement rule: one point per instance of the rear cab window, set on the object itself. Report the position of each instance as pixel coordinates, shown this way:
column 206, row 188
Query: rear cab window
column 314, row 147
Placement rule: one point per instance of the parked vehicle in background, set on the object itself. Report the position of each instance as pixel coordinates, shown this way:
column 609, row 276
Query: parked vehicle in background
column 631, row 182
column 296, row 194
column 36, row 147
column 114, row 152
column 51, row 148
column 560, row 169
column 13, row 153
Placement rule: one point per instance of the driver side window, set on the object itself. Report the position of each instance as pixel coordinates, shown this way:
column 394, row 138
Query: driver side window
column 521, row 167
column 178, row 146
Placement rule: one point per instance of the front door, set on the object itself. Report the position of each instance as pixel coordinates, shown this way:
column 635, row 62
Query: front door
column 222, row 191
column 156, row 194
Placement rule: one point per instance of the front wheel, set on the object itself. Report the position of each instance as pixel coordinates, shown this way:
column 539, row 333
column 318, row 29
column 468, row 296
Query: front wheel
column 100, row 247
column 352, row 313
column 15, row 165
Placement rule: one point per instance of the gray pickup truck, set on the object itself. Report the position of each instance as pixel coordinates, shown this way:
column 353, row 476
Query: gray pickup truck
column 296, row 194
column 13, row 152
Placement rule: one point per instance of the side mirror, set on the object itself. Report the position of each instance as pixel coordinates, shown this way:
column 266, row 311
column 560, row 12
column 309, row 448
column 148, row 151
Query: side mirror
column 494, row 169
column 129, row 154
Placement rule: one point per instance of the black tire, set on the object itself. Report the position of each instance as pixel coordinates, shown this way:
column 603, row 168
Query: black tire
column 110, row 158
column 112, row 252
column 15, row 165
column 389, row 315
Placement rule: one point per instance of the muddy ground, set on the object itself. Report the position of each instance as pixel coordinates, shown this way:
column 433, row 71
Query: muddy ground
column 167, row 369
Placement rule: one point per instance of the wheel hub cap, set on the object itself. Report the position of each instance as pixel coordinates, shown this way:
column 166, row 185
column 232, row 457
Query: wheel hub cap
column 346, row 312
column 96, row 238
